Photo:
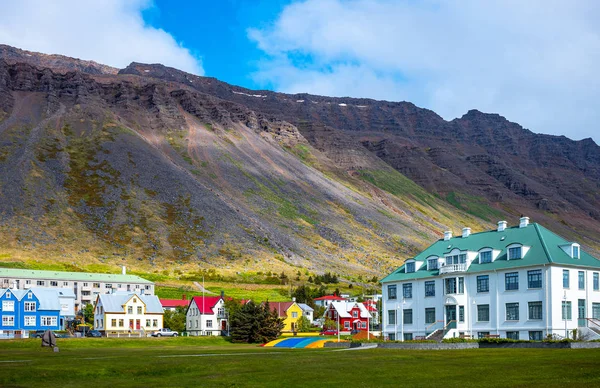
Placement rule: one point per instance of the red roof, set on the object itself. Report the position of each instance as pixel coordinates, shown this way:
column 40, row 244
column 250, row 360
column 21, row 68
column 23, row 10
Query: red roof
column 206, row 307
column 330, row 297
column 281, row 307
column 174, row 302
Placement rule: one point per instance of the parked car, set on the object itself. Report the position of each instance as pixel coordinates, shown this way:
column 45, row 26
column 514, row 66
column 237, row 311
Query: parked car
column 329, row 332
column 93, row 333
column 38, row 334
column 165, row 332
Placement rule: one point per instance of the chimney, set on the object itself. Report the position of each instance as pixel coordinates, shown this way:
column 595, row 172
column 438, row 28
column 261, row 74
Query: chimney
column 502, row 225
column 447, row 235
column 184, row 297
column 466, row 232
column 123, row 270
column 222, row 294
column 523, row 222
column 14, row 285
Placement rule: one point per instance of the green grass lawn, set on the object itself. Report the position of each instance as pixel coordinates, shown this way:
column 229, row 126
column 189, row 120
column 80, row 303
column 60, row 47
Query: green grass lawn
column 170, row 362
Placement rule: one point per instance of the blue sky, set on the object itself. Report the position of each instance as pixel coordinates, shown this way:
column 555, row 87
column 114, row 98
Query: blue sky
column 534, row 62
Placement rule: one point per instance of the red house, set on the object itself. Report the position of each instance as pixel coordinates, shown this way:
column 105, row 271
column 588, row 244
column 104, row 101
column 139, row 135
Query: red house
column 352, row 315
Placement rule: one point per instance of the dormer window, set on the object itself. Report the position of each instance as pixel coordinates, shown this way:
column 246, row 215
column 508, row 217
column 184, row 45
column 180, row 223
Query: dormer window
column 456, row 259
column 485, row 257
column 515, row 253
column 410, row 267
column 575, row 251
column 432, row 264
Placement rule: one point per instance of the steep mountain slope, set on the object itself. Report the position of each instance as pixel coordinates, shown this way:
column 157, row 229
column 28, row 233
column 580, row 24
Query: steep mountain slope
column 163, row 169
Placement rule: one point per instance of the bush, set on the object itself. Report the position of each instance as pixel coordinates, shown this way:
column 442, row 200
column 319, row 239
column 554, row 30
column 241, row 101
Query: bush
column 457, row 340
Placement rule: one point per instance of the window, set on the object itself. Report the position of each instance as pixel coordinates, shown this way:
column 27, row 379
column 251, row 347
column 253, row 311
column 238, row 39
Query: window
column 581, row 278
column 29, row 295
column 209, row 323
column 596, row 310
column 155, row 323
column 565, row 278
column 65, row 284
column 363, row 325
column 29, row 306
column 148, row 321
column 430, row 288
column 575, row 252
column 30, row 320
column 96, row 285
column 129, row 309
column 430, row 315
column 566, row 310
column 461, row 313
column 85, row 284
column 113, row 323
column 53, row 283
column 8, row 320
column 408, row 337
column 534, row 278
column 485, row 257
column 48, row 321
column 596, row 276
column 147, row 287
column 483, row 334
column 392, row 336
column 450, row 285
column 294, row 314
column 407, row 290
column 536, row 336
column 535, row 310
column 483, row 283
column 461, row 285
column 346, row 325
column 514, row 253
column 7, row 294
column 41, row 283
column 108, row 285
column 511, row 281
column 139, row 310
column 456, row 259
column 391, row 317
column 122, row 323
column 407, row 316
column 8, row 305
column 432, row 264
column 514, row 335
column 392, row 291
column 512, row 311
column 410, row 267
column 354, row 314
column 220, row 311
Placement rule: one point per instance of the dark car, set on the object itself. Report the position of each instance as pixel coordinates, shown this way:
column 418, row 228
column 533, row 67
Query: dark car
column 329, row 332
column 38, row 334
column 93, row 333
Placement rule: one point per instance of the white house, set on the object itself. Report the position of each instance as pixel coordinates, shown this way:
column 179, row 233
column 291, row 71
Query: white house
column 522, row 282
column 128, row 313
column 206, row 315
column 307, row 311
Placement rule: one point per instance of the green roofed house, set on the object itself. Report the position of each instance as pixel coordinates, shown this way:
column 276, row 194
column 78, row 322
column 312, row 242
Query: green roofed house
column 86, row 286
column 521, row 282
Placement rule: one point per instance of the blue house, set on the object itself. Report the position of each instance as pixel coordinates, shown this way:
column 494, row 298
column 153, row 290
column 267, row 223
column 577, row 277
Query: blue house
column 28, row 310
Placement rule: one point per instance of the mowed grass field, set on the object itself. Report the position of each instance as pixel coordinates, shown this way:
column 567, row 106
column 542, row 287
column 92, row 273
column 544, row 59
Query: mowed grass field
column 213, row 362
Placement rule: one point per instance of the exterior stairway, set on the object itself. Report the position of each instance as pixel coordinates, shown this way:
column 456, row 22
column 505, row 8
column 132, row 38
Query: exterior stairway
column 437, row 335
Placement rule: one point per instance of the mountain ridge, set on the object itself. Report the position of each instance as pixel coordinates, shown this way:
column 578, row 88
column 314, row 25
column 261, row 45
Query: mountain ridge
column 162, row 168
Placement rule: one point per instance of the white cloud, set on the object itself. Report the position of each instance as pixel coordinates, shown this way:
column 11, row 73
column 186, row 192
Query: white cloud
column 111, row 32
column 533, row 61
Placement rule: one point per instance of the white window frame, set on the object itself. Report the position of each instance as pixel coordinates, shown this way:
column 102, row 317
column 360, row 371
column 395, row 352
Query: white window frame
column 8, row 305
column 28, row 319
column 8, row 320
column 29, row 307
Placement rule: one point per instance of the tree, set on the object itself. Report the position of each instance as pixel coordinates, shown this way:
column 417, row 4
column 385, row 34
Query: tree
column 255, row 323
column 303, row 324
column 88, row 313
column 303, row 294
column 175, row 320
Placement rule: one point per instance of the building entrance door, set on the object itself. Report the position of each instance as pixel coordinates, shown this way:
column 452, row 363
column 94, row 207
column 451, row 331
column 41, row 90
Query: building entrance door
column 450, row 313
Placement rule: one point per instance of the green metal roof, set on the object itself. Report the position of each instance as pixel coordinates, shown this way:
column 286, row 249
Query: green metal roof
column 544, row 248
column 73, row 276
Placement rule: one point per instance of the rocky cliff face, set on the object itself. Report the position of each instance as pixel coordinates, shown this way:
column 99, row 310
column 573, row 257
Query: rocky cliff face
column 159, row 168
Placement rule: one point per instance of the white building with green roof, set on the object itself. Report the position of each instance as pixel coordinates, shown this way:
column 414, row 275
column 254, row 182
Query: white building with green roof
column 521, row 282
column 86, row 285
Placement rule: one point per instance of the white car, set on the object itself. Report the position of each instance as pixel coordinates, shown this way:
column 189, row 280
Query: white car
column 165, row 332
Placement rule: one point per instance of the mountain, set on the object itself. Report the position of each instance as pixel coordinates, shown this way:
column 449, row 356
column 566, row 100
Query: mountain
column 164, row 170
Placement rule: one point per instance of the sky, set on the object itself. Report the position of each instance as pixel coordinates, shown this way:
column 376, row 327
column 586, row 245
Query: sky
column 534, row 62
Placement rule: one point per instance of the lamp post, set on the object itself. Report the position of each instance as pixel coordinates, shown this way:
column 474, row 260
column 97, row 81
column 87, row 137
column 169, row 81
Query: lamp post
column 564, row 312
column 338, row 324
column 396, row 329
column 402, row 323
column 473, row 312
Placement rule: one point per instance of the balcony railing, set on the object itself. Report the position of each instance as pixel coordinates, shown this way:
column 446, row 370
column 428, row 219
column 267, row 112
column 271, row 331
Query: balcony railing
column 449, row 268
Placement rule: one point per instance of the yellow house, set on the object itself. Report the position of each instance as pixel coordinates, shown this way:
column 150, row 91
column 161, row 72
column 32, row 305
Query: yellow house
column 290, row 312
column 128, row 313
